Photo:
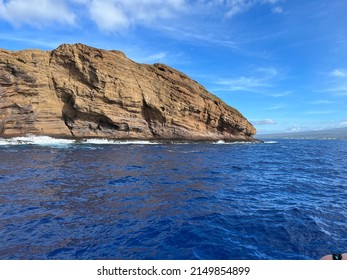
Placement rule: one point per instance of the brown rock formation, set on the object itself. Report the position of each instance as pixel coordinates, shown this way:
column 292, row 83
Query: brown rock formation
column 80, row 91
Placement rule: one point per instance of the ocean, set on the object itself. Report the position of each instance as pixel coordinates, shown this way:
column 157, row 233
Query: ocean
column 100, row 199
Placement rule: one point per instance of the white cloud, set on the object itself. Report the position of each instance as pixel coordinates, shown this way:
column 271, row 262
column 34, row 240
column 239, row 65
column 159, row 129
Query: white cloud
column 236, row 7
column 322, row 101
column 295, row 128
column 343, row 123
column 81, row 1
column 197, row 34
column 277, row 10
column 277, row 106
column 242, row 83
column 262, row 78
column 107, row 15
column 37, row 13
column 339, row 73
column 153, row 58
column 337, row 90
column 264, row 122
column 267, row 72
column 326, row 112
column 157, row 56
column 271, row 1
column 115, row 15
column 281, row 94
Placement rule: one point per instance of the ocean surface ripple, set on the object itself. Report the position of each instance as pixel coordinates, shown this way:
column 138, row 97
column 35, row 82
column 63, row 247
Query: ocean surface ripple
column 283, row 199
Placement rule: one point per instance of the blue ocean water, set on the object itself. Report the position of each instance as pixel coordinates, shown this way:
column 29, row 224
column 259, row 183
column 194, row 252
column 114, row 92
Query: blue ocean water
column 284, row 199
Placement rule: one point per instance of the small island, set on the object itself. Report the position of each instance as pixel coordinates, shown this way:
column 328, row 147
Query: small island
column 77, row 91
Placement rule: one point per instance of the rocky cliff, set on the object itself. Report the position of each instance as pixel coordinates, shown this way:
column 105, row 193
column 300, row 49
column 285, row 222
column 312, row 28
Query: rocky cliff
column 80, row 91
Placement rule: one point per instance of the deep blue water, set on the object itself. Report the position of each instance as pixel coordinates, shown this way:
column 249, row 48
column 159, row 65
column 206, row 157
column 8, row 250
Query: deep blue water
column 279, row 200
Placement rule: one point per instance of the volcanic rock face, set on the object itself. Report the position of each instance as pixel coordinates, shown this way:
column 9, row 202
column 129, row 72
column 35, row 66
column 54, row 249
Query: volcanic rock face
column 80, row 91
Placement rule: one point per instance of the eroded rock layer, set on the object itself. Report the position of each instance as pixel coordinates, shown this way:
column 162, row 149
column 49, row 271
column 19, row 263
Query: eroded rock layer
column 80, row 91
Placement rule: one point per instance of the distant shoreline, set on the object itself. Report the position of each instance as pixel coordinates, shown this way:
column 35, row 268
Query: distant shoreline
column 329, row 134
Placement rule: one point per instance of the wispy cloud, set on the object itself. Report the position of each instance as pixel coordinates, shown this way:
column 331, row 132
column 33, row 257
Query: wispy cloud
column 152, row 58
column 277, row 10
column 280, row 94
column 193, row 34
column 37, row 13
column 261, row 79
column 236, row 7
column 340, row 89
column 264, row 122
column 322, row 102
column 267, row 72
column 323, row 112
column 251, row 84
column 340, row 73
column 32, row 40
column 157, row 56
column 277, row 106
column 335, row 82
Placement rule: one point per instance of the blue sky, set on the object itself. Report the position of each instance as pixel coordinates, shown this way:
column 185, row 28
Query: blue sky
column 281, row 63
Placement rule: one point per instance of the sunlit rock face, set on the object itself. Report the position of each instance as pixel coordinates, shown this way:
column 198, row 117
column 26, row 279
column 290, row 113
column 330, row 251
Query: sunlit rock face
column 80, row 91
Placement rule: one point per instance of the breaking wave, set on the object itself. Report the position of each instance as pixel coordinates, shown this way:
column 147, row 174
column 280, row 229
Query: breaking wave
column 50, row 141
column 222, row 142
column 63, row 142
column 95, row 141
column 36, row 140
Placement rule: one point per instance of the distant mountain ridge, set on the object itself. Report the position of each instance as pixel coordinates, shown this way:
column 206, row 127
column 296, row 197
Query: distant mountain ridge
column 336, row 133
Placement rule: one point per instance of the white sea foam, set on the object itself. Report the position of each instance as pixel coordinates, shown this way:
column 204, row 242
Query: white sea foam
column 222, row 142
column 36, row 140
column 270, row 142
column 137, row 142
column 49, row 141
column 95, row 141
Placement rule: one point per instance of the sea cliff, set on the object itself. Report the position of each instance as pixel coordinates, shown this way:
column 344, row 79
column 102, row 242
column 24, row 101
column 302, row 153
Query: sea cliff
column 80, row 91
